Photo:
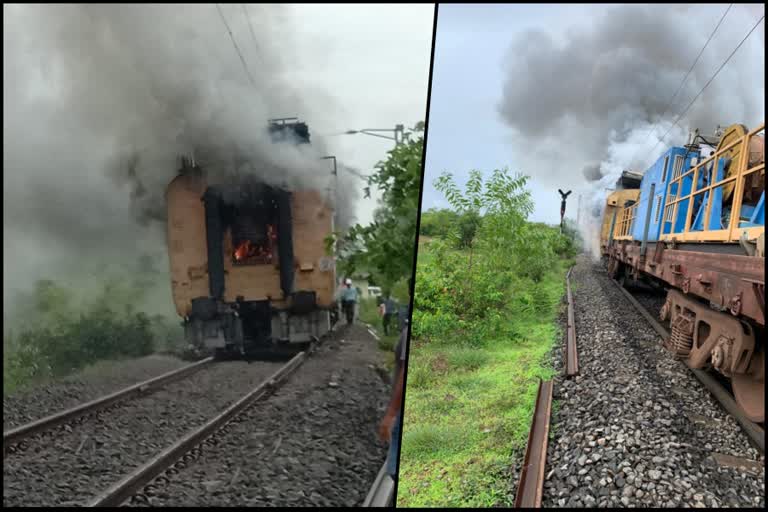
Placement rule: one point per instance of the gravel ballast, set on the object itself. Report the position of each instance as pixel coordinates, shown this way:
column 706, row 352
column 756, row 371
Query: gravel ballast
column 313, row 443
column 636, row 428
column 80, row 461
column 92, row 383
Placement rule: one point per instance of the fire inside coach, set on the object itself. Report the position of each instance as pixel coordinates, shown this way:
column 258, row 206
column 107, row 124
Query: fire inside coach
column 249, row 269
column 694, row 223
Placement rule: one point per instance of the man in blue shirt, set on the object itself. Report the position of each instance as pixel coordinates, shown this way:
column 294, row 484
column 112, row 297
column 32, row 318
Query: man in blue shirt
column 348, row 301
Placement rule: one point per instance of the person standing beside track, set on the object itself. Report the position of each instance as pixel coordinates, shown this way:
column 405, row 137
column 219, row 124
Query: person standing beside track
column 388, row 312
column 391, row 424
column 348, row 301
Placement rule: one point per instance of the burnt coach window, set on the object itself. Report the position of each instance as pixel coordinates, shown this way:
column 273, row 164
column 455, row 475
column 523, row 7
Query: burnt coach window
column 251, row 214
column 254, row 242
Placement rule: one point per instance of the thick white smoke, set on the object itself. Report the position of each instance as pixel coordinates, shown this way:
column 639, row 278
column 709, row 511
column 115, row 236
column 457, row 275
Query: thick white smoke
column 89, row 88
column 582, row 104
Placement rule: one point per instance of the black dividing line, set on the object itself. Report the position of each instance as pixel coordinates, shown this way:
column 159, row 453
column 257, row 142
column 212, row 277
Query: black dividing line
column 415, row 254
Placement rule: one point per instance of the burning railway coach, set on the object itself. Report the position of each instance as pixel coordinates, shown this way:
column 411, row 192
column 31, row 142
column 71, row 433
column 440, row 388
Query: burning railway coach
column 249, row 269
column 695, row 224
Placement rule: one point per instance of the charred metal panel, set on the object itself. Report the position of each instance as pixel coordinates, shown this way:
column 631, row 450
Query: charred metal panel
column 303, row 302
column 215, row 239
column 204, row 308
column 285, row 241
column 256, row 319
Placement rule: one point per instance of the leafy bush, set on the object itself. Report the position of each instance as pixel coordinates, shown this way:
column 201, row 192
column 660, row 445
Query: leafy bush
column 489, row 264
column 437, row 222
column 385, row 247
column 59, row 334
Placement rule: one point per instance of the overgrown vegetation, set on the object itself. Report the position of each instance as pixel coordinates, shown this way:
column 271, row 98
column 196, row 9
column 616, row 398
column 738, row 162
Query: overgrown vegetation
column 385, row 247
column 483, row 323
column 459, row 228
column 58, row 330
column 369, row 313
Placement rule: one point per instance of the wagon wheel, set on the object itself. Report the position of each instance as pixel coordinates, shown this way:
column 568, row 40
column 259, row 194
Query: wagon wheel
column 749, row 389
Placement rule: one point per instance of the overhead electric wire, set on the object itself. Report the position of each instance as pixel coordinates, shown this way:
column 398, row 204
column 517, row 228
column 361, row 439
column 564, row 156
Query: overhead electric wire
column 682, row 82
column 250, row 27
column 708, row 82
column 237, row 49
column 355, row 173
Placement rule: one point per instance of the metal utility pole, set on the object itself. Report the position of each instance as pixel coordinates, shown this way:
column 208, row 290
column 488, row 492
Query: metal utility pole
column 398, row 133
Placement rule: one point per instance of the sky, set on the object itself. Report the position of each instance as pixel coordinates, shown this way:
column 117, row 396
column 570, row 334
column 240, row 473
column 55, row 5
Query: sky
column 85, row 83
column 465, row 129
column 376, row 64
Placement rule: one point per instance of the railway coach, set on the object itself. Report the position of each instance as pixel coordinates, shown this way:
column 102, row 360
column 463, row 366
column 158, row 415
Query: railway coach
column 695, row 225
column 249, row 268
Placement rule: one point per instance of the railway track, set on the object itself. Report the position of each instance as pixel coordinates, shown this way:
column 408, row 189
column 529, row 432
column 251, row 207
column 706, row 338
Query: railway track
column 15, row 436
column 754, row 431
column 529, row 491
column 571, row 354
column 149, row 470
column 632, row 429
column 530, row 485
column 171, row 456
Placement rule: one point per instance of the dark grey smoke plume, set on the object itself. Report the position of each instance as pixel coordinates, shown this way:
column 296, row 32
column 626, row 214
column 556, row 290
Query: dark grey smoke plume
column 592, row 94
column 588, row 98
column 592, row 172
column 100, row 101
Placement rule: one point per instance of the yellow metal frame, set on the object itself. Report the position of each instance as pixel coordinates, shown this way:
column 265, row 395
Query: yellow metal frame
column 613, row 203
column 623, row 228
column 733, row 232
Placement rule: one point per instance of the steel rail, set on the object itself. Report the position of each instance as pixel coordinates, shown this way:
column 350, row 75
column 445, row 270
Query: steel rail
column 382, row 491
column 752, row 429
column 572, row 356
column 530, row 487
column 124, row 489
column 14, row 435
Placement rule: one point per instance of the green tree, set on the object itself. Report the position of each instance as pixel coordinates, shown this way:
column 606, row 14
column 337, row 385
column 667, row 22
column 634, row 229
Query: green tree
column 437, row 222
column 467, row 226
column 385, row 247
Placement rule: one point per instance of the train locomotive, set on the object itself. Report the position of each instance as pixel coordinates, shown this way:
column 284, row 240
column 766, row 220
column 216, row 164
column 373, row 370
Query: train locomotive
column 694, row 224
column 250, row 274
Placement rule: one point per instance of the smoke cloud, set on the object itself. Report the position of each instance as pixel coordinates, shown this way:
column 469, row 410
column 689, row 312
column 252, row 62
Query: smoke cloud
column 101, row 100
column 592, row 172
column 587, row 99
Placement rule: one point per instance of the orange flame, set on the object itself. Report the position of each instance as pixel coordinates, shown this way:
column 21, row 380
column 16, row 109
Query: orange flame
column 243, row 250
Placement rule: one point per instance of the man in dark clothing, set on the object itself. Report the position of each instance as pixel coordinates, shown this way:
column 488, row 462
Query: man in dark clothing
column 389, row 429
column 390, row 310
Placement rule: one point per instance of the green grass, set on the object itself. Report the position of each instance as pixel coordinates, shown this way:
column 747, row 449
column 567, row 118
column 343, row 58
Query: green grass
column 369, row 313
column 468, row 410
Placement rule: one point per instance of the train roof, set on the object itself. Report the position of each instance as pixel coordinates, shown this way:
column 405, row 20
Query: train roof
column 629, row 179
column 288, row 129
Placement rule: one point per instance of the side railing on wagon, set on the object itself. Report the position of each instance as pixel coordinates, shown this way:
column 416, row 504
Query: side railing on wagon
column 748, row 164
